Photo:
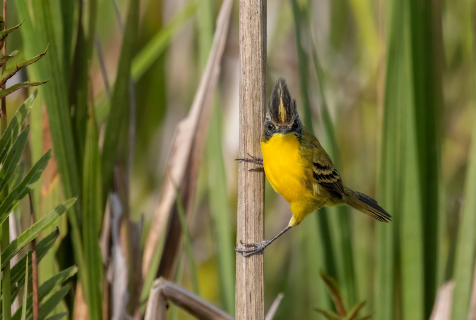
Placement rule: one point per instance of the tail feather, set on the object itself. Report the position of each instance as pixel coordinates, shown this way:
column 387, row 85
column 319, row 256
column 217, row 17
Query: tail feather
column 367, row 205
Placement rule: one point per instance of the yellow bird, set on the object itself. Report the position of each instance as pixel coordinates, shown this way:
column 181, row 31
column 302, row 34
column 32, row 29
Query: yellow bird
column 299, row 169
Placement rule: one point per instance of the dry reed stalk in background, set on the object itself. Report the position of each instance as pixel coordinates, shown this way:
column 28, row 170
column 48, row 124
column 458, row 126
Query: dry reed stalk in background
column 249, row 299
column 443, row 303
column 472, row 302
column 274, row 307
column 187, row 149
column 163, row 291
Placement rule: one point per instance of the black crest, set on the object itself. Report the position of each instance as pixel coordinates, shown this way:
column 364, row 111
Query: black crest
column 282, row 108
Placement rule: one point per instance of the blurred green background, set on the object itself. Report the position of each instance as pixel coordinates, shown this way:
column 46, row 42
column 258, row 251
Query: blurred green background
column 386, row 86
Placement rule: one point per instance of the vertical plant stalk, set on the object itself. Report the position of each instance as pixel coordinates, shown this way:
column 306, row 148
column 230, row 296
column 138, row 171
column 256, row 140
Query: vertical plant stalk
column 6, row 290
column 34, row 266
column 427, row 96
column 249, row 300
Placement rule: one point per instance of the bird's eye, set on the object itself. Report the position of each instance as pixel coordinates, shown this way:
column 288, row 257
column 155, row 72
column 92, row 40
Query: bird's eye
column 270, row 126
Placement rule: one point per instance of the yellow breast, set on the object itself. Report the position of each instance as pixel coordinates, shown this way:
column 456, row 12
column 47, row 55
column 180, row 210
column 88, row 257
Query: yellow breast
column 283, row 166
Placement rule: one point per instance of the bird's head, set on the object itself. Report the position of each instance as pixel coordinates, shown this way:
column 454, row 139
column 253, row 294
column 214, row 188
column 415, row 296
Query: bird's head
column 281, row 116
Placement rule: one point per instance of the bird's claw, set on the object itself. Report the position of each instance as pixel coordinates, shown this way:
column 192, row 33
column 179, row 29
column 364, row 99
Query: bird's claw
column 253, row 248
column 248, row 245
column 255, row 158
column 251, row 159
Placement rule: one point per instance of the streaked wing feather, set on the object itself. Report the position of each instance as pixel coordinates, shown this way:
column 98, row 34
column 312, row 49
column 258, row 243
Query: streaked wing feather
column 328, row 177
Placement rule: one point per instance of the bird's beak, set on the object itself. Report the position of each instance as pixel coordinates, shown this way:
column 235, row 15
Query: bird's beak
column 283, row 130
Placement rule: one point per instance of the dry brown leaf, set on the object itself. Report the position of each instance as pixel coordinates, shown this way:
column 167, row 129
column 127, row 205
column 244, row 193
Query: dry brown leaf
column 80, row 306
column 187, row 147
column 444, row 300
column 163, row 291
column 274, row 307
column 120, row 296
column 472, row 303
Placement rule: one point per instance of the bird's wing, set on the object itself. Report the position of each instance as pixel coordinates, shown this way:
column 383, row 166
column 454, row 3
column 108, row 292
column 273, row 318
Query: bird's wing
column 324, row 172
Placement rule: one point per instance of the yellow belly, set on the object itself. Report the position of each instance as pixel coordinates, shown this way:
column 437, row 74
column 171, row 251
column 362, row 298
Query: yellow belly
column 285, row 172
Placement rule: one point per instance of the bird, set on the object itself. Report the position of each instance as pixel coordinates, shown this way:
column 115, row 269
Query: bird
column 299, row 169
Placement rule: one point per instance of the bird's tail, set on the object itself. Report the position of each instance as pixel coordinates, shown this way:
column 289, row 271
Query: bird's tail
column 366, row 204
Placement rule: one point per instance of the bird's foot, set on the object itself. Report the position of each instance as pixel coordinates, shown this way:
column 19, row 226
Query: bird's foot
column 252, row 248
column 251, row 159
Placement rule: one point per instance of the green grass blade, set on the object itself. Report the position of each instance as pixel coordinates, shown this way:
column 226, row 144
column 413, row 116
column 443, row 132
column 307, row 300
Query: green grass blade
column 24, row 187
column 151, row 275
column 117, row 121
column 46, row 289
column 187, row 243
column 53, row 301
column 12, row 159
column 156, row 46
column 339, row 23
column 385, row 234
column 15, row 87
column 150, row 92
column 410, row 222
column 56, row 98
column 14, row 126
column 59, row 114
column 17, row 273
column 178, row 280
column 79, row 89
column 326, row 116
column 4, row 59
column 58, row 279
column 30, row 43
column 58, row 316
column 92, row 213
column 328, row 314
column 25, row 293
column 5, row 33
column 17, row 175
column 32, row 232
column 220, row 211
column 399, row 180
column 10, row 72
column 151, row 52
column 427, row 98
column 298, row 16
column 6, row 288
column 67, row 12
column 368, row 31
column 411, row 246
column 205, row 30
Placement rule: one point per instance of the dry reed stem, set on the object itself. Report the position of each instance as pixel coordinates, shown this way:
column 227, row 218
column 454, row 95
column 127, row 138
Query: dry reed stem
column 443, row 303
column 472, row 302
column 249, row 298
column 189, row 135
column 164, row 291
column 274, row 307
